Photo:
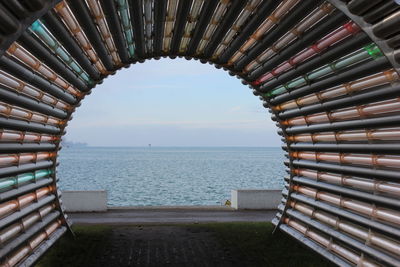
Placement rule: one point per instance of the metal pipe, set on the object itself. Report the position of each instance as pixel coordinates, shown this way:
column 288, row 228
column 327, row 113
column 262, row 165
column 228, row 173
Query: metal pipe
column 53, row 44
column 204, row 19
column 331, row 23
column 80, row 51
column 351, row 216
column 81, row 13
column 27, row 147
column 16, row 181
column 328, row 243
column 389, row 134
column 370, row 210
column 32, row 244
column 19, row 113
column 276, row 16
column 26, row 137
column 193, row 17
column 70, row 22
column 19, row 125
column 216, row 20
column 387, row 121
column 15, row 84
column 348, row 29
column 356, row 148
column 317, row 14
column 265, row 9
column 364, row 248
column 101, row 24
column 182, row 15
column 18, row 52
column 238, row 24
column 385, row 77
column 378, row 109
column 351, row 193
column 384, row 174
column 235, row 8
column 24, row 200
column 345, row 46
column 22, row 100
column 350, row 158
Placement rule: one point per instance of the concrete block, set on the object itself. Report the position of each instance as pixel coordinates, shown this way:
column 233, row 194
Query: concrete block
column 85, row 201
column 255, row 199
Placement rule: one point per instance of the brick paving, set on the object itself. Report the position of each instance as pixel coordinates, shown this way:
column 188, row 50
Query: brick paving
column 163, row 246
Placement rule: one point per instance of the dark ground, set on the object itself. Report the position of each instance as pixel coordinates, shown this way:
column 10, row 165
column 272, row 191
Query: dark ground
column 216, row 244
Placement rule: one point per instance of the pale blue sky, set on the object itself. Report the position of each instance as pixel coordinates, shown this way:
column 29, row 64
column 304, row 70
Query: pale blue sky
column 172, row 103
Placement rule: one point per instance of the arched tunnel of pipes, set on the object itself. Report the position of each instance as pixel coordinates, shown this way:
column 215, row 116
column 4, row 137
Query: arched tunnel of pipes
column 327, row 71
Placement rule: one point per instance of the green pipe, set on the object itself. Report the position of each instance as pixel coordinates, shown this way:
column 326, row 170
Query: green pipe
column 23, row 178
column 38, row 28
column 123, row 10
column 367, row 52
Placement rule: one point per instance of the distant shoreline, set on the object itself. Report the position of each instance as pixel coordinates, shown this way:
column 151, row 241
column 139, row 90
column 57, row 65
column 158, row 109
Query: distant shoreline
column 89, row 146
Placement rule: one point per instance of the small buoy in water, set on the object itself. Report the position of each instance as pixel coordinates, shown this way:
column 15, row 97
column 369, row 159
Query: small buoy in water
column 227, row 202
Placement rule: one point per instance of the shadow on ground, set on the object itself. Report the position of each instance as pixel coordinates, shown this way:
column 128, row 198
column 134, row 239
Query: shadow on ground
column 216, row 244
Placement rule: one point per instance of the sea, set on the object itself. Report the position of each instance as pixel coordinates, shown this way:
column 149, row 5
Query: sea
column 163, row 176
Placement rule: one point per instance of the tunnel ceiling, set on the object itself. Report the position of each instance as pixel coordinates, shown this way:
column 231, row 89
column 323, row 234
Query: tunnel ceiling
column 326, row 70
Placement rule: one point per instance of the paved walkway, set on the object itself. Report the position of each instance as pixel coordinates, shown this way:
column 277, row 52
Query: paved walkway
column 171, row 215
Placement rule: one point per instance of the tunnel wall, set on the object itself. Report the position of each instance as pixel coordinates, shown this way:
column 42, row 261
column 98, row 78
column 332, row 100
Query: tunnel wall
column 327, row 71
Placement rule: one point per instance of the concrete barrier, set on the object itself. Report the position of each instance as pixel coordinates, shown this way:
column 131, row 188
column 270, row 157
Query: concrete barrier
column 255, row 199
column 85, row 201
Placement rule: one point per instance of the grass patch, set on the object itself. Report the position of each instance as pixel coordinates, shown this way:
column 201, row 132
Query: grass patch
column 253, row 244
column 88, row 242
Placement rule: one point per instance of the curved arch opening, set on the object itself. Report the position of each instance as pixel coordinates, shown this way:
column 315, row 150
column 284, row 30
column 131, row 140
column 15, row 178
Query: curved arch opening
column 208, row 136
column 327, row 70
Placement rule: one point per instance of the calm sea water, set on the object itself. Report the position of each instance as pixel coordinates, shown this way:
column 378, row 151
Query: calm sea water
column 170, row 176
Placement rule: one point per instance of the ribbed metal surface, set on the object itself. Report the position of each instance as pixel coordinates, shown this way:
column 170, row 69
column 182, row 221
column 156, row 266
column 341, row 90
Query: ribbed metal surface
column 326, row 70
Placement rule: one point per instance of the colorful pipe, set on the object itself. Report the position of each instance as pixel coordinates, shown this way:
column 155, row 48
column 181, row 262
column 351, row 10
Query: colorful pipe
column 292, row 35
column 20, row 53
column 389, row 76
column 13, row 159
column 124, row 16
column 350, row 158
column 236, row 27
column 40, row 30
column 370, row 210
column 22, row 137
column 330, row 244
column 101, row 23
column 12, row 111
column 149, row 22
column 349, row 181
column 367, row 53
column 212, row 26
column 369, row 237
column 391, row 134
column 75, row 29
column 32, row 244
column 374, row 109
column 26, row 89
column 24, row 224
column 343, row 32
column 24, row 200
column 190, row 24
column 16, row 181
column 280, row 12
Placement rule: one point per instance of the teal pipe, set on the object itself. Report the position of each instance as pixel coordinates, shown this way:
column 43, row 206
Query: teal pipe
column 367, row 52
column 23, row 178
column 123, row 11
column 40, row 30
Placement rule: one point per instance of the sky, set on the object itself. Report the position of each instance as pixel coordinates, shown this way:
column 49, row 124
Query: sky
column 172, row 103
